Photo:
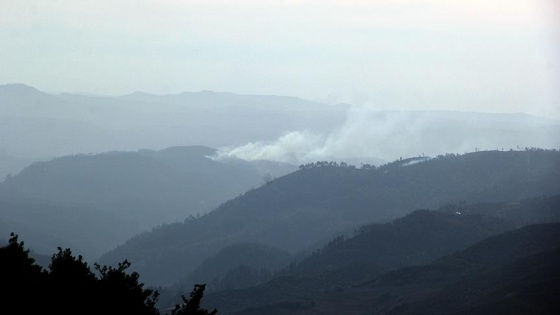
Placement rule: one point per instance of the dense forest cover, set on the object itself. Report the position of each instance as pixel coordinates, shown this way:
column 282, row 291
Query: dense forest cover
column 472, row 233
column 94, row 202
column 307, row 208
column 416, row 239
column 515, row 272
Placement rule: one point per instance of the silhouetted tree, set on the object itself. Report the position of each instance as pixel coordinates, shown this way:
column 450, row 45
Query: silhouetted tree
column 192, row 306
column 123, row 291
column 20, row 278
column 70, row 287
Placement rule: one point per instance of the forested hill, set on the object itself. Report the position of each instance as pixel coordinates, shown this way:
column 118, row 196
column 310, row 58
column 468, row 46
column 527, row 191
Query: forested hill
column 108, row 177
column 182, row 179
column 307, row 207
column 515, row 272
column 415, row 239
column 104, row 199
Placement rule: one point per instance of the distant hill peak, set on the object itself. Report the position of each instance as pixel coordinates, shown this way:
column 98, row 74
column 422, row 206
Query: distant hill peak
column 139, row 93
column 19, row 88
column 208, row 93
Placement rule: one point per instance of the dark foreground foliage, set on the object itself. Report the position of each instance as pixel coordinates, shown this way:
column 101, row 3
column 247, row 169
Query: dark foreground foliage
column 192, row 305
column 71, row 287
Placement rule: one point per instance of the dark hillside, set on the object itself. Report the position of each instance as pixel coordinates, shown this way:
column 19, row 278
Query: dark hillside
column 418, row 238
column 234, row 267
column 415, row 239
column 490, row 275
column 93, row 203
column 316, row 203
column 512, row 273
column 183, row 179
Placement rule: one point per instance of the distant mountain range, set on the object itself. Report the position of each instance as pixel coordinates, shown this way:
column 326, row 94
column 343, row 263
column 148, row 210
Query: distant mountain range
column 38, row 125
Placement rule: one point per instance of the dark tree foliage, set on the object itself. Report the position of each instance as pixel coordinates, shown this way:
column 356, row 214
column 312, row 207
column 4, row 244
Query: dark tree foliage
column 331, row 164
column 21, row 279
column 71, row 284
column 192, row 306
column 71, row 287
column 124, row 292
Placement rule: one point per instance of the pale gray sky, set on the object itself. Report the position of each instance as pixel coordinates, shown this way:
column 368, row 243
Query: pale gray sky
column 470, row 55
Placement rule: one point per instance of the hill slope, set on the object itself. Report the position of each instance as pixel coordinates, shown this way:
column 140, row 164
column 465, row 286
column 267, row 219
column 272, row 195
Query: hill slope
column 512, row 273
column 415, row 239
column 104, row 199
column 298, row 210
column 236, row 266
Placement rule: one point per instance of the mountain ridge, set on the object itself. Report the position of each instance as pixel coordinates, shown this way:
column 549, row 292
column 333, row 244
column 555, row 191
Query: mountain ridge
column 136, row 190
column 315, row 204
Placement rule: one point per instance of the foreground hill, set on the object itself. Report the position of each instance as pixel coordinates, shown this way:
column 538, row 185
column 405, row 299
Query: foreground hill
column 300, row 210
column 92, row 203
column 512, row 273
column 415, row 239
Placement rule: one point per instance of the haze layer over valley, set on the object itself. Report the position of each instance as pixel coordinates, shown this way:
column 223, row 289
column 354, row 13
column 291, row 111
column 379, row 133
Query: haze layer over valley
column 135, row 159
column 263, row 218
column 280, row 157
column 40, row 126
column 37, row 125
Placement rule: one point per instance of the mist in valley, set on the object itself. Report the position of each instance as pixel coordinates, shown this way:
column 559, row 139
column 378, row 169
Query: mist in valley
column 284, row 157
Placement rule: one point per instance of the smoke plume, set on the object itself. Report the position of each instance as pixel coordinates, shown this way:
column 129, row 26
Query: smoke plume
column 388, row 135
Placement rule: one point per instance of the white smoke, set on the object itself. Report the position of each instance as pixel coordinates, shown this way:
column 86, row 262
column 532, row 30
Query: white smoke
column 293, row 147
column 389, row 135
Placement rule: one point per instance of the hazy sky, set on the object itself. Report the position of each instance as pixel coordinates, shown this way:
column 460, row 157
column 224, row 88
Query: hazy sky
column 471, row 55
